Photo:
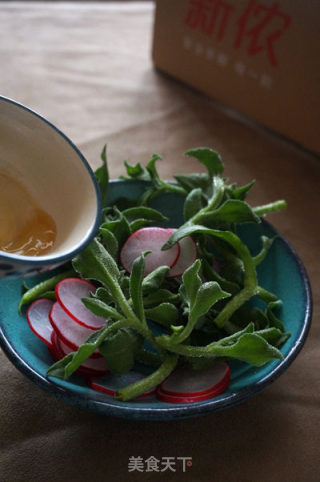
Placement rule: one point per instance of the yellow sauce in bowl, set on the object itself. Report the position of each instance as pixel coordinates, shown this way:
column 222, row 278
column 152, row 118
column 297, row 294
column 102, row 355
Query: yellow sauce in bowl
column 25, row 229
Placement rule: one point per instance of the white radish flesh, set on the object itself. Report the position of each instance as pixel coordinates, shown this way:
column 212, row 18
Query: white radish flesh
column 38, row 319
column 69, row 293
column 110, row 383
column 185, row 384
column 71, row 333
column 149, row 239
column 187, row 256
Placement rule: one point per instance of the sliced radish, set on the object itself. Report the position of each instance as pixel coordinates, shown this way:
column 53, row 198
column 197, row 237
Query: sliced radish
column 54, row 349
column 187, row 256
column 69, row 293
column 186, row 381
column 71, row 333
column 149, row 239
column 38, row 319
column 164, row 397
column 109, row 384
column 187, row 385
column 90, row 368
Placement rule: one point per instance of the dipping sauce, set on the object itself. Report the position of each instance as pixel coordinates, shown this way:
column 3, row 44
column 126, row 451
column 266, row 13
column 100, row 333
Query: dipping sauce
column 25, row 228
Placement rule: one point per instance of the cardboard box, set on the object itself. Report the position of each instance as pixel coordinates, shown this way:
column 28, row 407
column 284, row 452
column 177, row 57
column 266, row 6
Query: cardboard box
column 260, row 57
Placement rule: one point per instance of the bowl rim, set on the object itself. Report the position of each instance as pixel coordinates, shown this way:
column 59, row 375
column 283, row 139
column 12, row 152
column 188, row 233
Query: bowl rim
column 182, row 411
column 53, row 259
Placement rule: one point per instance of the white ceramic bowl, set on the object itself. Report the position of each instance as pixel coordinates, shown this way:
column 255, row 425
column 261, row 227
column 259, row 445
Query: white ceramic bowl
column 59, row 179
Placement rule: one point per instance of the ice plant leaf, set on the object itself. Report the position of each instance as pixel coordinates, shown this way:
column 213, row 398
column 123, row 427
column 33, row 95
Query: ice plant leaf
column 94, row 262
column 136, row 279
column 119, row 350
column 109, row 241
column 209, row 158
column 155, row 279
column 192, row 281
column 231, row 211
column 242, row 192
column 135, row 171
column 102, row 176
column 143, row 212
column 165, row 314
column 207, row 295
column 193, row 203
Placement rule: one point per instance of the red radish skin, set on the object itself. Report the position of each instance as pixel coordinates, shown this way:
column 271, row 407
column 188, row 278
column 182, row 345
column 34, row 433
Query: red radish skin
column 54, row 350
column 164, row 397
column 90, row 368
column 184, row 381
column 149, row 239
column 188, row 255
column 38, row 319
column 69, row 293
column 187, row 385
column 71, row 333
column 104, row 384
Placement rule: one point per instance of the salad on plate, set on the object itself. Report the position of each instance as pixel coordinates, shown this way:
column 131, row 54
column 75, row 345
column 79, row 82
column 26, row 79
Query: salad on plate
column 151, row 309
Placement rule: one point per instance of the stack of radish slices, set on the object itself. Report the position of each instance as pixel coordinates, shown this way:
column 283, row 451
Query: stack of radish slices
column 66, row 324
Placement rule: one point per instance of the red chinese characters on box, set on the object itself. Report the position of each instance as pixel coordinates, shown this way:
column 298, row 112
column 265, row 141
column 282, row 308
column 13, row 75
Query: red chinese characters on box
column 258, row 56
column 259, row 26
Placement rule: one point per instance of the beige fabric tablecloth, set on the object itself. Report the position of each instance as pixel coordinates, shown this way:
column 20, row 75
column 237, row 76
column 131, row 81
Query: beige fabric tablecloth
column 87, row 68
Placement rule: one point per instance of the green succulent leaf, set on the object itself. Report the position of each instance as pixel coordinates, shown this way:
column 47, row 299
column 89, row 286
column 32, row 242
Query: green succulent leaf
column 242, row 192
column 134, row 171
column 102, row 176
column 95, row 263
column 100, row 308
column 210, row 158
column 247, row 347
column 109, row 241
column 152, row 170
column 192, row 281
column 231, row 211
column 194, row 181
column 144, row 212
column 252, row 348
column 266, row 245
column 274, row 321
column 119, row 226
column 193, row 203
column 207, row 295
column 166, row 314
column 159, row 296
column 155, row 279
column 136, row 280
column 119, row 351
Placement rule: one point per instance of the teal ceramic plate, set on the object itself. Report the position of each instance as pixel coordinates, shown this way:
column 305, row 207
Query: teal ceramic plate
column 281, row 272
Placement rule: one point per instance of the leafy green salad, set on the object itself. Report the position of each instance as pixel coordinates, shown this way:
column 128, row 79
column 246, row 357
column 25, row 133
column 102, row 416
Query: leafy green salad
column 159, row 317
